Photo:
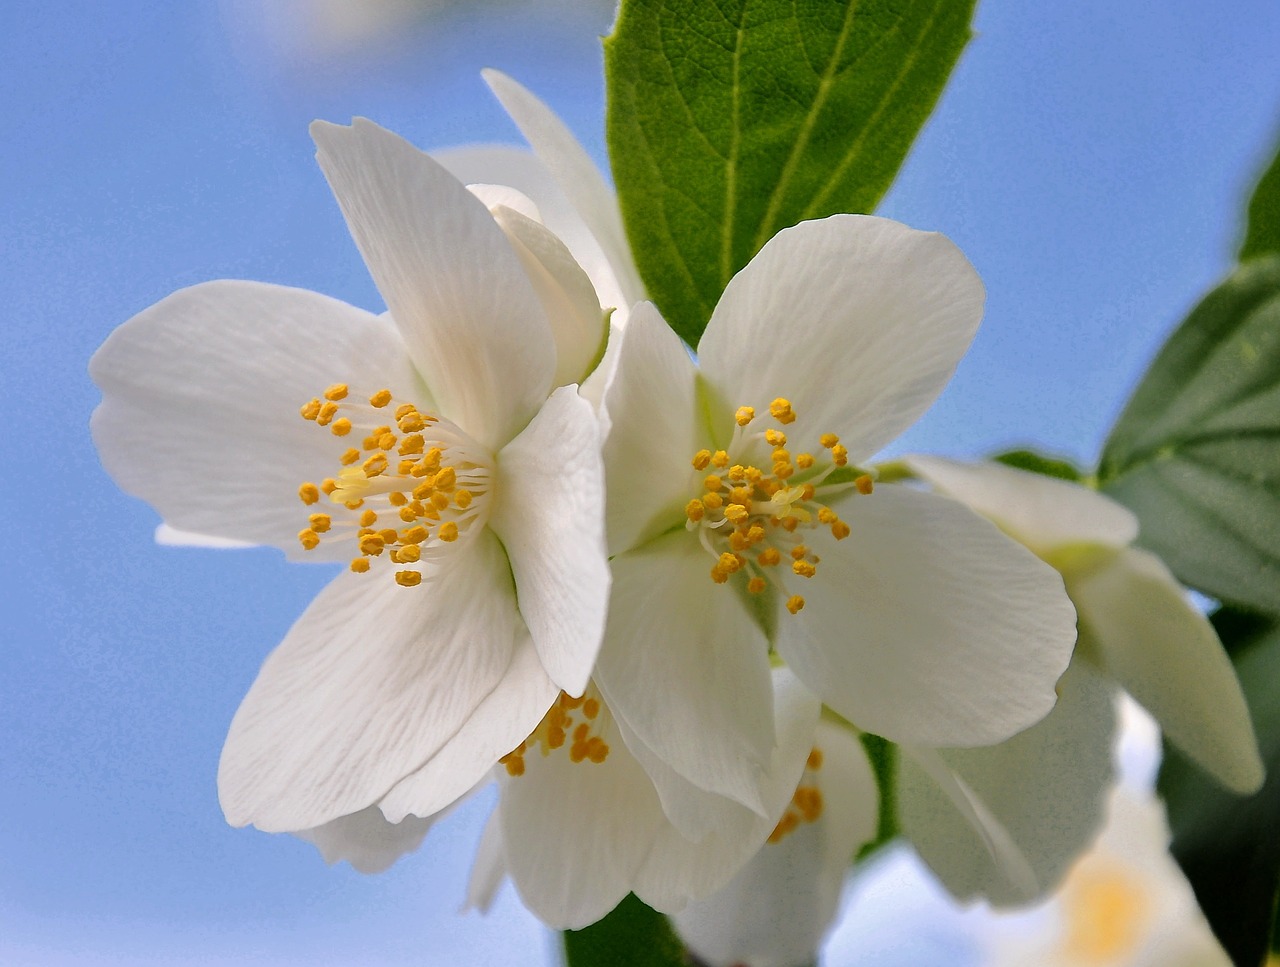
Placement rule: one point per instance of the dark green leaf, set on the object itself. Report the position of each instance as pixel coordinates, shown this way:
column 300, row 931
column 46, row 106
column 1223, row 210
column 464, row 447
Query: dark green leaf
column 1039, row 463
column 1262, row 235
column 883, row 756
column 633, row 935
column 1196, row 453
column 729, row 120
column 1228, row 846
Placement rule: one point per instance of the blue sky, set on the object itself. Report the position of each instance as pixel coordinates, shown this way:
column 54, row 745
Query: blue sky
column 1091, row 158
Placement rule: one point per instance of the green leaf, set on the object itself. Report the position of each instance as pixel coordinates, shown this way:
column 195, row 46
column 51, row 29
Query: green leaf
column 729, row 120
column 1039, row 463
column 883, row 756
column 1196, row 453
column 633, row 935
column 1227, row 845
column 1262, row 235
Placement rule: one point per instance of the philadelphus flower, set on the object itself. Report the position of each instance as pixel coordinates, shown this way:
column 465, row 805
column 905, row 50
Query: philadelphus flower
column 1136, row 625
column 741, row 522
column 427, row 448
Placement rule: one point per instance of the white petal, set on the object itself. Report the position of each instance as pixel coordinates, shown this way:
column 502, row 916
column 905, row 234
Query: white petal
column 201, row 394
column 775, row 912
column 490, row 867
column 368, row 685
column 575, row 833
column 578, row 324
column 500, row 723
column 1046, row 786
column 927, row 625
column 650, row 407
column 575, row 173
column 1041, row 512
column 1010, row 865
column 687, row 669
column 518, row 168
column 366, row 840
column 549, row 512
column 677, row 870
column 858, row 321
column 494, row 197
column 1138, row 626
column 469, row 315
column 167, row 536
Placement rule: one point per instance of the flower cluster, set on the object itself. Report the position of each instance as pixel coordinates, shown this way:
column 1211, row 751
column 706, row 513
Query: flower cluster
column 657, row 595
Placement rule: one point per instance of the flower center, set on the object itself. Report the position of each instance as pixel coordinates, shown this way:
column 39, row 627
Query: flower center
column 576, row 722
column 751, row 520
column 415, row 485
column 806, row 803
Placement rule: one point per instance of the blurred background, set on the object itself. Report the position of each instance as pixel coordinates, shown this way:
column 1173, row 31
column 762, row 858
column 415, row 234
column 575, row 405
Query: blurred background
column 1092, row 159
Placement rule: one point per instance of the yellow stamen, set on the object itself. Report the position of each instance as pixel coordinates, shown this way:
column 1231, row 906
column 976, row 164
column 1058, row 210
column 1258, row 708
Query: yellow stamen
column 409, row 579
column 744, row 415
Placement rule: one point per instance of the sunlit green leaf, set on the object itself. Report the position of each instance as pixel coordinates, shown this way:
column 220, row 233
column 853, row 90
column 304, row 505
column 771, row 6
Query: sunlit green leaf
column 633, row 935
column 1262, row 235
column 729, row 120
column 1196, row 453
column 1228, row 845
column 1039, row 463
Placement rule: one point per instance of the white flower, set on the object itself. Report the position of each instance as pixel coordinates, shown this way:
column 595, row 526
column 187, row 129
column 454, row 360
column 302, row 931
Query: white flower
column 741, row 523
column 433, row 452
column 1136, row 625
column 775, row 911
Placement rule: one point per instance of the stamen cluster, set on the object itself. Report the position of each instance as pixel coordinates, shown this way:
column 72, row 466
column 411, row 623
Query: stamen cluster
column 806, row 803
column 749, row 518
column 560, row 726
column 410, row 508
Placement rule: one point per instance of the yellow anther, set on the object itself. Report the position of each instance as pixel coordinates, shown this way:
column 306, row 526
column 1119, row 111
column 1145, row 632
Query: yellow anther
column 738, row 541
column 702, row 460
column 781, row 455
column 410, row 553
column 310, row 410
column 741, row 495
column 397, row 499
column 338, row 391
column 413, row 535
column 380, row 398
column 769, row 557
column 405, row 467
column 719, row 575
column 828, row 440
column 795, row 603
column 694, row 510
column 744, row 415
column 755, row 533
column 839, row 530
column 404, row 409
column 736, row 512
column 386, row 441
column 804, row 569
column 327, row 412
column 712, row 501
column 756, row 585
column 720, row 459
column 591, row 708
column 309, row 493
column 423, row 490
column 446, row 479
column 826, row 515
column 462, row 499
column 737, row 473
column 320, row 522
column 360, row 565
column 513, row 763
column 804, row 460
column 783, row 471
column 388, row 535
column 839, row 455
column 864, row 484
column 570, row 701
column 798, row 552
column 309, row 539
column 448, row 532
column 408, row 579
column 815, row 759
column 353, row 504
column 375, row 465
column 411, row 422
column 713, row 483
column 808, row 800
column 371, row 544
column 789, row 524
column 368, row 518
column 786, row 824
column 775, row 438
column 407, row 515
column 780, row 410
column 410, row 444
column 349, row 457
column 439, row 501
column 328, row 486
column 755, row 476
column 729, row 562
